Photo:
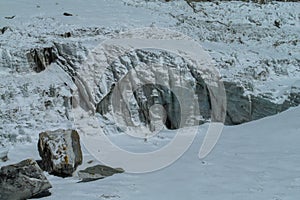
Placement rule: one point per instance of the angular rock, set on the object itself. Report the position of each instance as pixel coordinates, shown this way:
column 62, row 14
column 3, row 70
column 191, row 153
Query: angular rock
column 60, row 151
column 98, row 172
column 22, row 180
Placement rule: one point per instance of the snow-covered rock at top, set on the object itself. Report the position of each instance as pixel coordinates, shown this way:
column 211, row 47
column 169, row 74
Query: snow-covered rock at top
column 60, row 151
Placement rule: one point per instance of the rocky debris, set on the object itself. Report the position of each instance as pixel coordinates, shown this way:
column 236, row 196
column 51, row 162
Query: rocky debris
column 98, row 172
column 60, row 151
column 293, row 98
column 3, row 155
column 66, row 35
column 22, row 180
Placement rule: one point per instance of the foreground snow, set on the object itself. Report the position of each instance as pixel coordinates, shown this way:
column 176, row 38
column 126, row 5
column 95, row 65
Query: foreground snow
column 257, row 160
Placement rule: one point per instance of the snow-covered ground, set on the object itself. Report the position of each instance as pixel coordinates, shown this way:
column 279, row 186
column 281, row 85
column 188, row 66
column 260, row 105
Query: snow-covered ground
column 257, row 160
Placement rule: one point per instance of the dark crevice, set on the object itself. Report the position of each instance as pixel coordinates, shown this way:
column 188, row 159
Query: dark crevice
column 39, row 59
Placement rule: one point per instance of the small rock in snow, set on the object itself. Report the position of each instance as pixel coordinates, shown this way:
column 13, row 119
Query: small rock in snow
column 97, row 172
column 67, row 14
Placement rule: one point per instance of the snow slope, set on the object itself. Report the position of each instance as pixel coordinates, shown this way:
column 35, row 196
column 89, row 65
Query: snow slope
column 257, row 160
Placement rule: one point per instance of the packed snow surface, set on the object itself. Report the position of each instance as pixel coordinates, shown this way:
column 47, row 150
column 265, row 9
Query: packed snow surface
column 257, row 160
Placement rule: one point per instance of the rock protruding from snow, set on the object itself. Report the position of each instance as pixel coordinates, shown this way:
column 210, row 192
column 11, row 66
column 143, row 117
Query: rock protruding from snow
column 39, row 59
column 156, row 77
column 22, row 180
column 5, row 28
column 3, row 155
column 60, row 151
column 98, row 172
column 175, row 71
column 69, row 55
